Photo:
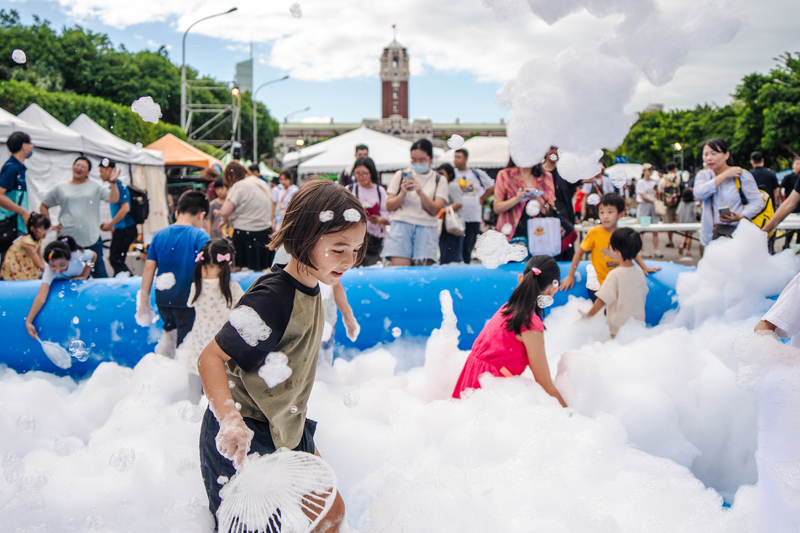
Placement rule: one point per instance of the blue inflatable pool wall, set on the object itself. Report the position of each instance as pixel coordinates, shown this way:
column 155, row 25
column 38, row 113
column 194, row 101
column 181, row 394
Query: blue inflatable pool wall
column 101, row 312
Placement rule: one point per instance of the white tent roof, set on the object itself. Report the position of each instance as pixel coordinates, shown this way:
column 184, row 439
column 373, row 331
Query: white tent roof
column 632, row 170
column 336, row 154
column 98, row 141
column 484, row 152
column 41, row 136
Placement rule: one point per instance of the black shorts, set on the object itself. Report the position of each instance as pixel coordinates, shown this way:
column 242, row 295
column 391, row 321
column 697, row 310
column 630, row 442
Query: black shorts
column 213, row 465
column 180, row 318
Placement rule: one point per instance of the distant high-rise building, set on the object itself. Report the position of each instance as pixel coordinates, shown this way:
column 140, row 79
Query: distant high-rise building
column 394, row 81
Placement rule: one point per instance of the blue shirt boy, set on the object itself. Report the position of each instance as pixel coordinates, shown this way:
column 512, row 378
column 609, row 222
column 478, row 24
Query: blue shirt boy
column 174, row 249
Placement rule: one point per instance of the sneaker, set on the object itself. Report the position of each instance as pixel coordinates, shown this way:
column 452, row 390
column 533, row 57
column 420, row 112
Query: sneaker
column 658, row 253
column 670, row 245
column 687, row 253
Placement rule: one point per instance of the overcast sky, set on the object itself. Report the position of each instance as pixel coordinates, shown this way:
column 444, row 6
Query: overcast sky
column 460, row 53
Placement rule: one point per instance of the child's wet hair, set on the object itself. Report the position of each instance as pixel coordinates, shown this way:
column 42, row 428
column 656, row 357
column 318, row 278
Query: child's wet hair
column 61, row 248
column 215, row 252
column 614, row 200
column 541, row 271
column 627, row 242
column 37, row 220
column 302, row 228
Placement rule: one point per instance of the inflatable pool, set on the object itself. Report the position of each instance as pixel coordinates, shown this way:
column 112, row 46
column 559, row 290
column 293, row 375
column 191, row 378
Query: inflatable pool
column 101, row 312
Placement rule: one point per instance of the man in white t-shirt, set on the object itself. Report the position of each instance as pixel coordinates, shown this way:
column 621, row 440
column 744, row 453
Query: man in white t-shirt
column 476, row 187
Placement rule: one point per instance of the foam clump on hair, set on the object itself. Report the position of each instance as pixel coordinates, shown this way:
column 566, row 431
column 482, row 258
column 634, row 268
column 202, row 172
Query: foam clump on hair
column 326, row 216
column 275, row 369
column 351, row 215
column 493, row 250
column 249, row 325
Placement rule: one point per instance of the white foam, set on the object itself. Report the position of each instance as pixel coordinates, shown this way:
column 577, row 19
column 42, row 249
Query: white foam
column 533, row 208
column 493, row 249
column 351, row 215
column 18, row 56
column 248, row 324
column 147, row 109
column 593, row 199
column 57, row 354
column 165, row 281
column 618, row 177
column 455, row 141
column 275, row 369
column 296, row 10
column 592, row 282
column 576, row 167
column 326, row 216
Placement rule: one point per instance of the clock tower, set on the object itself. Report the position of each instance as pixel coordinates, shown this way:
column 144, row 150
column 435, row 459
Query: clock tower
column 394, row 82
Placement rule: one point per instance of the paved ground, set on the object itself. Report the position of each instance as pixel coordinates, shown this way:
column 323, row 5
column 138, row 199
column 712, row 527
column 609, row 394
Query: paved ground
column 670, row 254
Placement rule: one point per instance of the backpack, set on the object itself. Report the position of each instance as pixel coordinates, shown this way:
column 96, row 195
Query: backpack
column 672, row 194
column 765, row 214
column 140, row 206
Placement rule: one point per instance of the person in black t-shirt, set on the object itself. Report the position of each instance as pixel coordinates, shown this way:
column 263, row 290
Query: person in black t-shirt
column 788, row 185
column 564, row 193
column 765, row 178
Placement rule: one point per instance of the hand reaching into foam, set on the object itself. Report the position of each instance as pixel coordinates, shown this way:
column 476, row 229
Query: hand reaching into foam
column 233, row 439
column 352, row 327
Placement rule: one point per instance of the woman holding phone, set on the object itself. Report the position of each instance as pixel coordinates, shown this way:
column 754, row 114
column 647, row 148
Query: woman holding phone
column 722, row 188
column 514, row 188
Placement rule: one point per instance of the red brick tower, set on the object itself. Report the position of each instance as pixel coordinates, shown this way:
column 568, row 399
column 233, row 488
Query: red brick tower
column 394, row 81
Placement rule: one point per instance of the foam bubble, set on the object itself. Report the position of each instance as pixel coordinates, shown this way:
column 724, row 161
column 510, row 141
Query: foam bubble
column 533, row 208
column 396, row 332
column 65, row 446
column 507, row 229
column 576, row 167
column 618, row 177
column 592, row 281
column 493, row 250
column 248, row 324
column 352, row 215
column 455, row 141
column 165, row 281
column 18, row 56
column 296, row 10
column 122, row 459
column 147, row 109
column 593, row 199
column 326, row 216
column 26, row 423
column 351, row 400
column 275, row 369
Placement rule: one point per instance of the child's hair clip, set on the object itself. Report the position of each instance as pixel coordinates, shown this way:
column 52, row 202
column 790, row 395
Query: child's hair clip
column 49, row 256
column 65, row 240
column 221, row 258
column 536, row 271
column 199, row 257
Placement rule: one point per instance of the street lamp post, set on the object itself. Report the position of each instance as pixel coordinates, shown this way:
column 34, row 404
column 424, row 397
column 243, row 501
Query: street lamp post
column 255, row 129
column 285, row 119
column 679, row 149
column 183, row 65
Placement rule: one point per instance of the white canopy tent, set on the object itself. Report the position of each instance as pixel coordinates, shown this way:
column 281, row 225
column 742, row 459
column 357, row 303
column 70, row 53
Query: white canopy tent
column 337, row 154
column 484, row 152
column 99, row 141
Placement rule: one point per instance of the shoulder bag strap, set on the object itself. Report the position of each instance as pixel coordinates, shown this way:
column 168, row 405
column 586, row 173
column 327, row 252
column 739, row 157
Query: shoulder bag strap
column 741, row 193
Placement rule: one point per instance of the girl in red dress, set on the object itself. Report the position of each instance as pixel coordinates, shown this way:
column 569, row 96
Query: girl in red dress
column 514, row 337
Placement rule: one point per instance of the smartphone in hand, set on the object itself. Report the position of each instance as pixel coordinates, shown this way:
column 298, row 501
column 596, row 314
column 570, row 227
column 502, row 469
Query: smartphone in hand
column 724, row 210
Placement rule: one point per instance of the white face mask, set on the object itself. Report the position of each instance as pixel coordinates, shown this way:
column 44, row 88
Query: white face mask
column 544, row 300
column 420, row 168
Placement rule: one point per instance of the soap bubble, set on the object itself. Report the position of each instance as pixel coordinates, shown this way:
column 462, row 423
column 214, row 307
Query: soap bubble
column 618, row 177
column 19, row 57
column 231, row 384
column 73, row 286
column 238, row 406
column 533, row 208
column 593, row 199
column 122, row 459
column 352, row 215
column 455, row 141
column 351, row 400
column 293, row 409
column 249, row 325
column 396, row 332
column 326, row 216
column 26, row 423
column 296, row 10
column 75, row 320
column 78, row 350
column 146, row 108
column 275, row 369
column 13, row 467
column 64, row 446
column 493, row 250
column 191, row 413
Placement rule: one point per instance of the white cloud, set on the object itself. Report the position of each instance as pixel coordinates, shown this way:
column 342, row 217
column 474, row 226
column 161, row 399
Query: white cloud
column 343, row 39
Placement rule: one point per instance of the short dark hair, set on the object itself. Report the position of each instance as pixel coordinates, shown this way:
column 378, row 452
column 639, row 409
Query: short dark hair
column 301, row 227
column 37, row 220
column 286, row 173
column 672, row 166
column 107, row 163
column 613, row 199
column 463, row 151
column 254, row 168
column 627, row 242
column 234, row 171
column 448, row 168
column 16, row 140
column 369, row 164
column 362, row 147
column 719, row 145
column 193, row 203
column 688, row 195
column 757, row 157
column 425, row 145
column 83, row 158
column 219, row 182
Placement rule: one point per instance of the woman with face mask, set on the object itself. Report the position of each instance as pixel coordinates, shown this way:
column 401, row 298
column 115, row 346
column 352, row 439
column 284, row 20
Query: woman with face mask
column 415, row 197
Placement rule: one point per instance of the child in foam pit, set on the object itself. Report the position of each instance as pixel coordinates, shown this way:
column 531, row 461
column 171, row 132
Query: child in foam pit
column 173, row 251
column 610, row 210
column 213, row 294
column 66, row 259
column 282, row 312
column 513, row 339
column 624, row 290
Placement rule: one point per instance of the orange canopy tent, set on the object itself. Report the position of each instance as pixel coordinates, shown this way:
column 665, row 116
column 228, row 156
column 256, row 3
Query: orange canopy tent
column 180, row 153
